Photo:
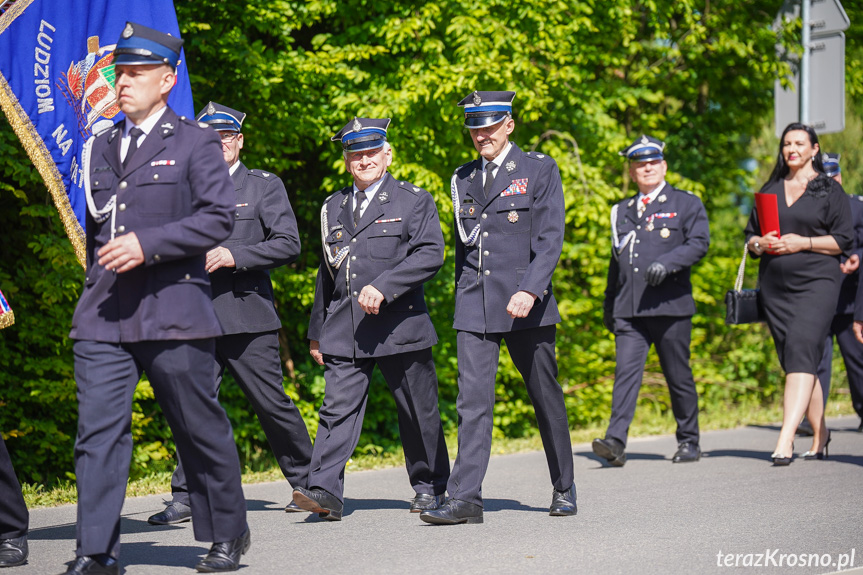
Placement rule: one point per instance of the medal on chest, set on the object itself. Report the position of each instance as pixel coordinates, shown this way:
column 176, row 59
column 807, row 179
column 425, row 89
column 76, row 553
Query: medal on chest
column 512, row 216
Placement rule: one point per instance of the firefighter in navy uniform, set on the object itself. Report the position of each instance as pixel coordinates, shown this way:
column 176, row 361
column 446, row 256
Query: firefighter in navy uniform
column 842, row 326
column 509, row 216
column 158, row 198
column 381, row 241
column 265, row 237
column 657, row 235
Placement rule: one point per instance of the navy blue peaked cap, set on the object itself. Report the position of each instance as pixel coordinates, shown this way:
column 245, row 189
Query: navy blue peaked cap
column 222, row 117
column 140, row 45
column 644, row 149
column 831, row 164
column 363, row 134
column 483, row 109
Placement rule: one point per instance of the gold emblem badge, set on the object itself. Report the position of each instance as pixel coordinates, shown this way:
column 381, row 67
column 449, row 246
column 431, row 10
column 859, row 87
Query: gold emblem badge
column 339, row 235
column 649, row 226
column 512, row 216
column 128, row 31
column 471, row 210
column 665, row 233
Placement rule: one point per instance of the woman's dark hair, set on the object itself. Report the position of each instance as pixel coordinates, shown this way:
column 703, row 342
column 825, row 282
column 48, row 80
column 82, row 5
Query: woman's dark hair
column 781, row 169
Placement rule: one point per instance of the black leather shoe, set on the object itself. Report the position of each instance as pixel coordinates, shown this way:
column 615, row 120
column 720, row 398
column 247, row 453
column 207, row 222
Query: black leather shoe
column 611, row 450
column 319, row 501
column 426, row 502
column 91, row 565
column 225, row 556
column 453, row 512
column 686, row 452
column 174, row 513
column 293, row 508
column 13, row 552
column 563, row 502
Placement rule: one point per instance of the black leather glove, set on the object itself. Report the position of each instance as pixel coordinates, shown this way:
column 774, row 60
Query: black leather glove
column 655, row 274
column 608, row 320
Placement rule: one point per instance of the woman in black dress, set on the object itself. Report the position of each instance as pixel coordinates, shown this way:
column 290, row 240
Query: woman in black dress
column 800, row 277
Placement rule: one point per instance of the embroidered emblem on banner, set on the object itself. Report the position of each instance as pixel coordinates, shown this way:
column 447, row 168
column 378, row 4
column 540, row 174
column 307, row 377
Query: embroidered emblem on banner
column 512, row 216
column 88, row 87
column 517, row 187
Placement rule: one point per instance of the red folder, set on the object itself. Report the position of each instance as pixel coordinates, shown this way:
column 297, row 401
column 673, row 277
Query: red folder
column 768, row 213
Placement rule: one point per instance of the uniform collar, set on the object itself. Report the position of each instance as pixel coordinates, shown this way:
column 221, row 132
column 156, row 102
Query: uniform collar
column 372, row 189
column 147, row 125
column 500, row 157
column 652, row 195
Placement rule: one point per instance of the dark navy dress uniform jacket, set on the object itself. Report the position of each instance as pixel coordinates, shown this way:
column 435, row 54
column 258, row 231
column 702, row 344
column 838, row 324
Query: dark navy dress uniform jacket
column 678, row 238
column 397, row 247
column 265, row 236
column 178, row 202
column 850, row 282
column 520, row 241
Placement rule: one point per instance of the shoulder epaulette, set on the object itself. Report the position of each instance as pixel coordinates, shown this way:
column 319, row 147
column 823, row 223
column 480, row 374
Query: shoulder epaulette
column 344, row 191
column 535, row 155
column 104, row 130
column 410, row 187
column 193, row 122
column 262, row 174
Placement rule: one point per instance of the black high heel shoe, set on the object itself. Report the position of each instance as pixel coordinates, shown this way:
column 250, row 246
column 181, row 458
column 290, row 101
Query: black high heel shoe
column 818, row 455
column 779, row 461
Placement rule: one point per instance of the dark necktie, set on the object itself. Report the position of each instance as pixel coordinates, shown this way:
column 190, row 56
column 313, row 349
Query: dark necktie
column 489, row 178
column 361, row 197
column 134, row 134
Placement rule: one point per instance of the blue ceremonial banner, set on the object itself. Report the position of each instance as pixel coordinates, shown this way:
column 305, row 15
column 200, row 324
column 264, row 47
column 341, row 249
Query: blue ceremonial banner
column 57, row 84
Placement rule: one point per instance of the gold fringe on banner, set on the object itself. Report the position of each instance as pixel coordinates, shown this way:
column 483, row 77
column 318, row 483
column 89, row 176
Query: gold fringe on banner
column 13, row 12
column 7, row 319
column 35, row 147
column 41, row 158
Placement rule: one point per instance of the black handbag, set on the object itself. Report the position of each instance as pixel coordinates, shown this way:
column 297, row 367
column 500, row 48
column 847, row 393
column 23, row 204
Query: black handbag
column 743, row 305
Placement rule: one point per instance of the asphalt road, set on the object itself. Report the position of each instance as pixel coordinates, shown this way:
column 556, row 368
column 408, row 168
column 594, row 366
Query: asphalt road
column 650, row 516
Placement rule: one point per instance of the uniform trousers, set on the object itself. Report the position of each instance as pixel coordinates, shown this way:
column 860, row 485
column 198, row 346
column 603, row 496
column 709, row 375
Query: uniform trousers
column 533, row 353
column 180, row 373
column 633, row 337
column 14, row 518
column 253, row 359
column 412, row 380
column 852, row 353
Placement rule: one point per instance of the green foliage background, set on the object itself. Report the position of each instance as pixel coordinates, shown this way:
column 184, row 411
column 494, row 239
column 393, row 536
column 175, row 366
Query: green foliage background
column 589, row 76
